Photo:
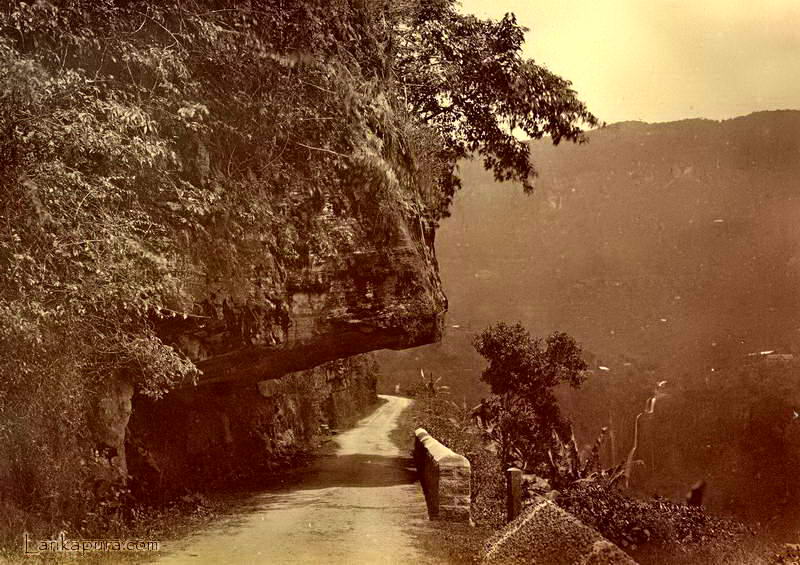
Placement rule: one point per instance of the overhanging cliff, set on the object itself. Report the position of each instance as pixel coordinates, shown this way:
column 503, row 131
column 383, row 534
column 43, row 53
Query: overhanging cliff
column 221, row 435
column 376, row 295
column 196, row 193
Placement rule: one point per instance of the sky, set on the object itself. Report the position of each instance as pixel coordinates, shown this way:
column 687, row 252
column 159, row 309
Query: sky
column 665, row 60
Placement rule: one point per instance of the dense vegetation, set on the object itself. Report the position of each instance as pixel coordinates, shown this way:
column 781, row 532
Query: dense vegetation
column 465, row 78
column 652, row 529
column 139, row 138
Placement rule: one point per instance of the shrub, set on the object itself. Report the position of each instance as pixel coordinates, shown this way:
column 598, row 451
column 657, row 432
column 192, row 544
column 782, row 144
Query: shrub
column 634, row 522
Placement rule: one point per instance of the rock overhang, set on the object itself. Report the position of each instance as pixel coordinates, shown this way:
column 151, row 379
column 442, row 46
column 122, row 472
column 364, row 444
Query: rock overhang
column 382, row 296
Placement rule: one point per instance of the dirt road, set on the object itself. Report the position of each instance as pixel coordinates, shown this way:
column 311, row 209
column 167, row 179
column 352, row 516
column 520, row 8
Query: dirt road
column 357, row 506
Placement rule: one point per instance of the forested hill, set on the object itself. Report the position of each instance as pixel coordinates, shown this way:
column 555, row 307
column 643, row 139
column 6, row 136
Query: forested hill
column 670, row 252
column 676, row 243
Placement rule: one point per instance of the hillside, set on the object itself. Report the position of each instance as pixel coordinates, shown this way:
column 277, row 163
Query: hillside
column 670, row 251
column 657, row 242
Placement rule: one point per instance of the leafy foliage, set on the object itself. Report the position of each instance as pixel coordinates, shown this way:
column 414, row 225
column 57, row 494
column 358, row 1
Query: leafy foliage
column 522, row 416
column 428, row 387
column 630, row 522
column 140, row 142
column 567, row 465
column 466, row 78
column 527, row 366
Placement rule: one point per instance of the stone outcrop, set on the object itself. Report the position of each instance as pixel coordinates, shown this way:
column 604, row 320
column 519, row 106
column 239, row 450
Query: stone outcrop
column 546, row 534
column 218, row 435
column 445, row 478
column 254, row 316
column 366, row 278
column 281, row 275
column 373, row 294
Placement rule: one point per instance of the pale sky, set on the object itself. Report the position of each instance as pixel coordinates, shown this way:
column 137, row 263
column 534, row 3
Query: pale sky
column 663, row 60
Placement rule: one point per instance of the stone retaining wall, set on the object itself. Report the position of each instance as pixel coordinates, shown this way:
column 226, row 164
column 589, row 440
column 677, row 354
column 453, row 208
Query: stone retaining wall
column 445, row 477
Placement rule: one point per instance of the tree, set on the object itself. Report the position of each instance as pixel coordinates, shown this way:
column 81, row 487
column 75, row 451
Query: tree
column 466, row 78
column 523, row 412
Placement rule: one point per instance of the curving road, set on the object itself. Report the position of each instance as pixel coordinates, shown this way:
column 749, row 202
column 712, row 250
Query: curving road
column 358, row 506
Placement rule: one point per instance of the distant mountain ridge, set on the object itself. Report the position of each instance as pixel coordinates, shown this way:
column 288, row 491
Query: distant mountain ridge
column 671, row 252
column 651, row 240
column 672, row 244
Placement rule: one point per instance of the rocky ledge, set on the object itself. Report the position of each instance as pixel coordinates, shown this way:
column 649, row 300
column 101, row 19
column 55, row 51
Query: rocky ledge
column 377, row 295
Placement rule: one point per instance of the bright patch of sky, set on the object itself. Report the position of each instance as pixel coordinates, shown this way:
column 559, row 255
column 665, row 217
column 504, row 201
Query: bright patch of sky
column 664, row 60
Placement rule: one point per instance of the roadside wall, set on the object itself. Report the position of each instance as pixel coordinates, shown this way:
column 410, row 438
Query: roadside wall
column 445, row 478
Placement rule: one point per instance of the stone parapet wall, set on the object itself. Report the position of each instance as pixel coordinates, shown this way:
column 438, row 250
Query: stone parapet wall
column 445, row 477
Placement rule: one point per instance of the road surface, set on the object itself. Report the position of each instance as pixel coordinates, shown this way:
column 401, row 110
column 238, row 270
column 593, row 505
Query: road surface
column 358, row 506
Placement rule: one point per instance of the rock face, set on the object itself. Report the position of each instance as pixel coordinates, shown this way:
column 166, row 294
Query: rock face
column 366, row 279
column 110, row 421
column 371, row 294
column 353, row 273
column 217, row 435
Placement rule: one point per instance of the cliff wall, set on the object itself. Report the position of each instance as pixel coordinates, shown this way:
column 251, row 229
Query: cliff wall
column 266, row 319
column 227, row 435
column 198, row 197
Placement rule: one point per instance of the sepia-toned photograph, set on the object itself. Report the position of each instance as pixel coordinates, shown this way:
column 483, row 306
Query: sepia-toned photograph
column 424, row 282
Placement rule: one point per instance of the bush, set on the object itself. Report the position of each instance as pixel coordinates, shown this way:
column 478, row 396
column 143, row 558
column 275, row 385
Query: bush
column 631, row 522
column 522, row 417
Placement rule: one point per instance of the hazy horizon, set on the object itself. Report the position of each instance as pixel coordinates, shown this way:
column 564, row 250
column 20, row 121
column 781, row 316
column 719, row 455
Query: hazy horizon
column 717, row 120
